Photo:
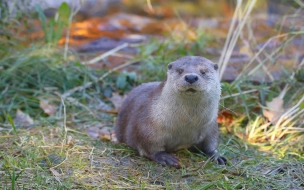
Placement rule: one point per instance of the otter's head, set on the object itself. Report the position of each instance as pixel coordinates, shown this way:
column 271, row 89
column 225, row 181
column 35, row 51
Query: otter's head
column 194, row 75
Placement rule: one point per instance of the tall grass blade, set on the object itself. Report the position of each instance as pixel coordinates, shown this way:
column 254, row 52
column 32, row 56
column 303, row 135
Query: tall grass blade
column 10, row 119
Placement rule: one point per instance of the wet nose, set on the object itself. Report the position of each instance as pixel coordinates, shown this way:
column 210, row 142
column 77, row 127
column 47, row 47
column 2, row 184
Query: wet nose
column 191, row 78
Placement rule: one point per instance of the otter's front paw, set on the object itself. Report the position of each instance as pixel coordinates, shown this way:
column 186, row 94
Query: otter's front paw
column 165, row 159
column 214, row 155
column 221, row 160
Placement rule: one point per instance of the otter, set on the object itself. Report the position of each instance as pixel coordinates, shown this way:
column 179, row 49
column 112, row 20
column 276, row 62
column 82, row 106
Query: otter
column 159, row 118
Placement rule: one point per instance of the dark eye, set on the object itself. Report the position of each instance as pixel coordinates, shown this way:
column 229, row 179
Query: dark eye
column 203, row 71
column 215, row 66
column 169, row 66
column 180, row 71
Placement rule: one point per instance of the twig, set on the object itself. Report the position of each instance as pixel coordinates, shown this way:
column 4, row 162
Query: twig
column 238, row 94
column 108, row 53
column 123, row 55
column 7, row 136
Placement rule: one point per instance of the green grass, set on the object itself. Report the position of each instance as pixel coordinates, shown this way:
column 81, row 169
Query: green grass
column 56, row 152
column 83, row 163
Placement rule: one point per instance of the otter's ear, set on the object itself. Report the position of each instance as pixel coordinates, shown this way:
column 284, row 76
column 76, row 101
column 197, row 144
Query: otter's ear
column 216, row 66
column 170, row 66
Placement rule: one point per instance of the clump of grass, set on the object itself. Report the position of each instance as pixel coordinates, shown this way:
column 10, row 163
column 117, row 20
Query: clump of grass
column 40, row 72
column 243, row 96
column 34, row 73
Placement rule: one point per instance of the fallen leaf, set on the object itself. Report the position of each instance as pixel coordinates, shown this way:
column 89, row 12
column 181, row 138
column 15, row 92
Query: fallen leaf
column 55, row 173
column 117, row 100
column 47, row 108
column 225, row 117
column 104, row 133
column 274, row 109
column 23, row 120
column 69, row 140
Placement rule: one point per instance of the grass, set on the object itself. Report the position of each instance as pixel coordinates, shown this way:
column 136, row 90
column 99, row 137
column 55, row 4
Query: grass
column 56, row 153
column 41, row 160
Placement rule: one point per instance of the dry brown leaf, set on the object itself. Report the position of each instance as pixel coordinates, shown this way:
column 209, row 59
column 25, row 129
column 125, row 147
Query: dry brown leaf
column 274, row 109
column 104, row 133
column 225, row 117
column 47, row 108
column 23, row 120
column 117, row 100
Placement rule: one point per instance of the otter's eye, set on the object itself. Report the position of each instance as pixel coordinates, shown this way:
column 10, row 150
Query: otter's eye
column 169, row 66
column 215, row 66
column 204, row 71
column 180, row 71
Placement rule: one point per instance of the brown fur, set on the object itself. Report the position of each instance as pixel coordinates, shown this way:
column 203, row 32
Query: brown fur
column 158, row 118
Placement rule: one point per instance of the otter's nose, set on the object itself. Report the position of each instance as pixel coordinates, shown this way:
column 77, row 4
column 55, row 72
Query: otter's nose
column 191, row 78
